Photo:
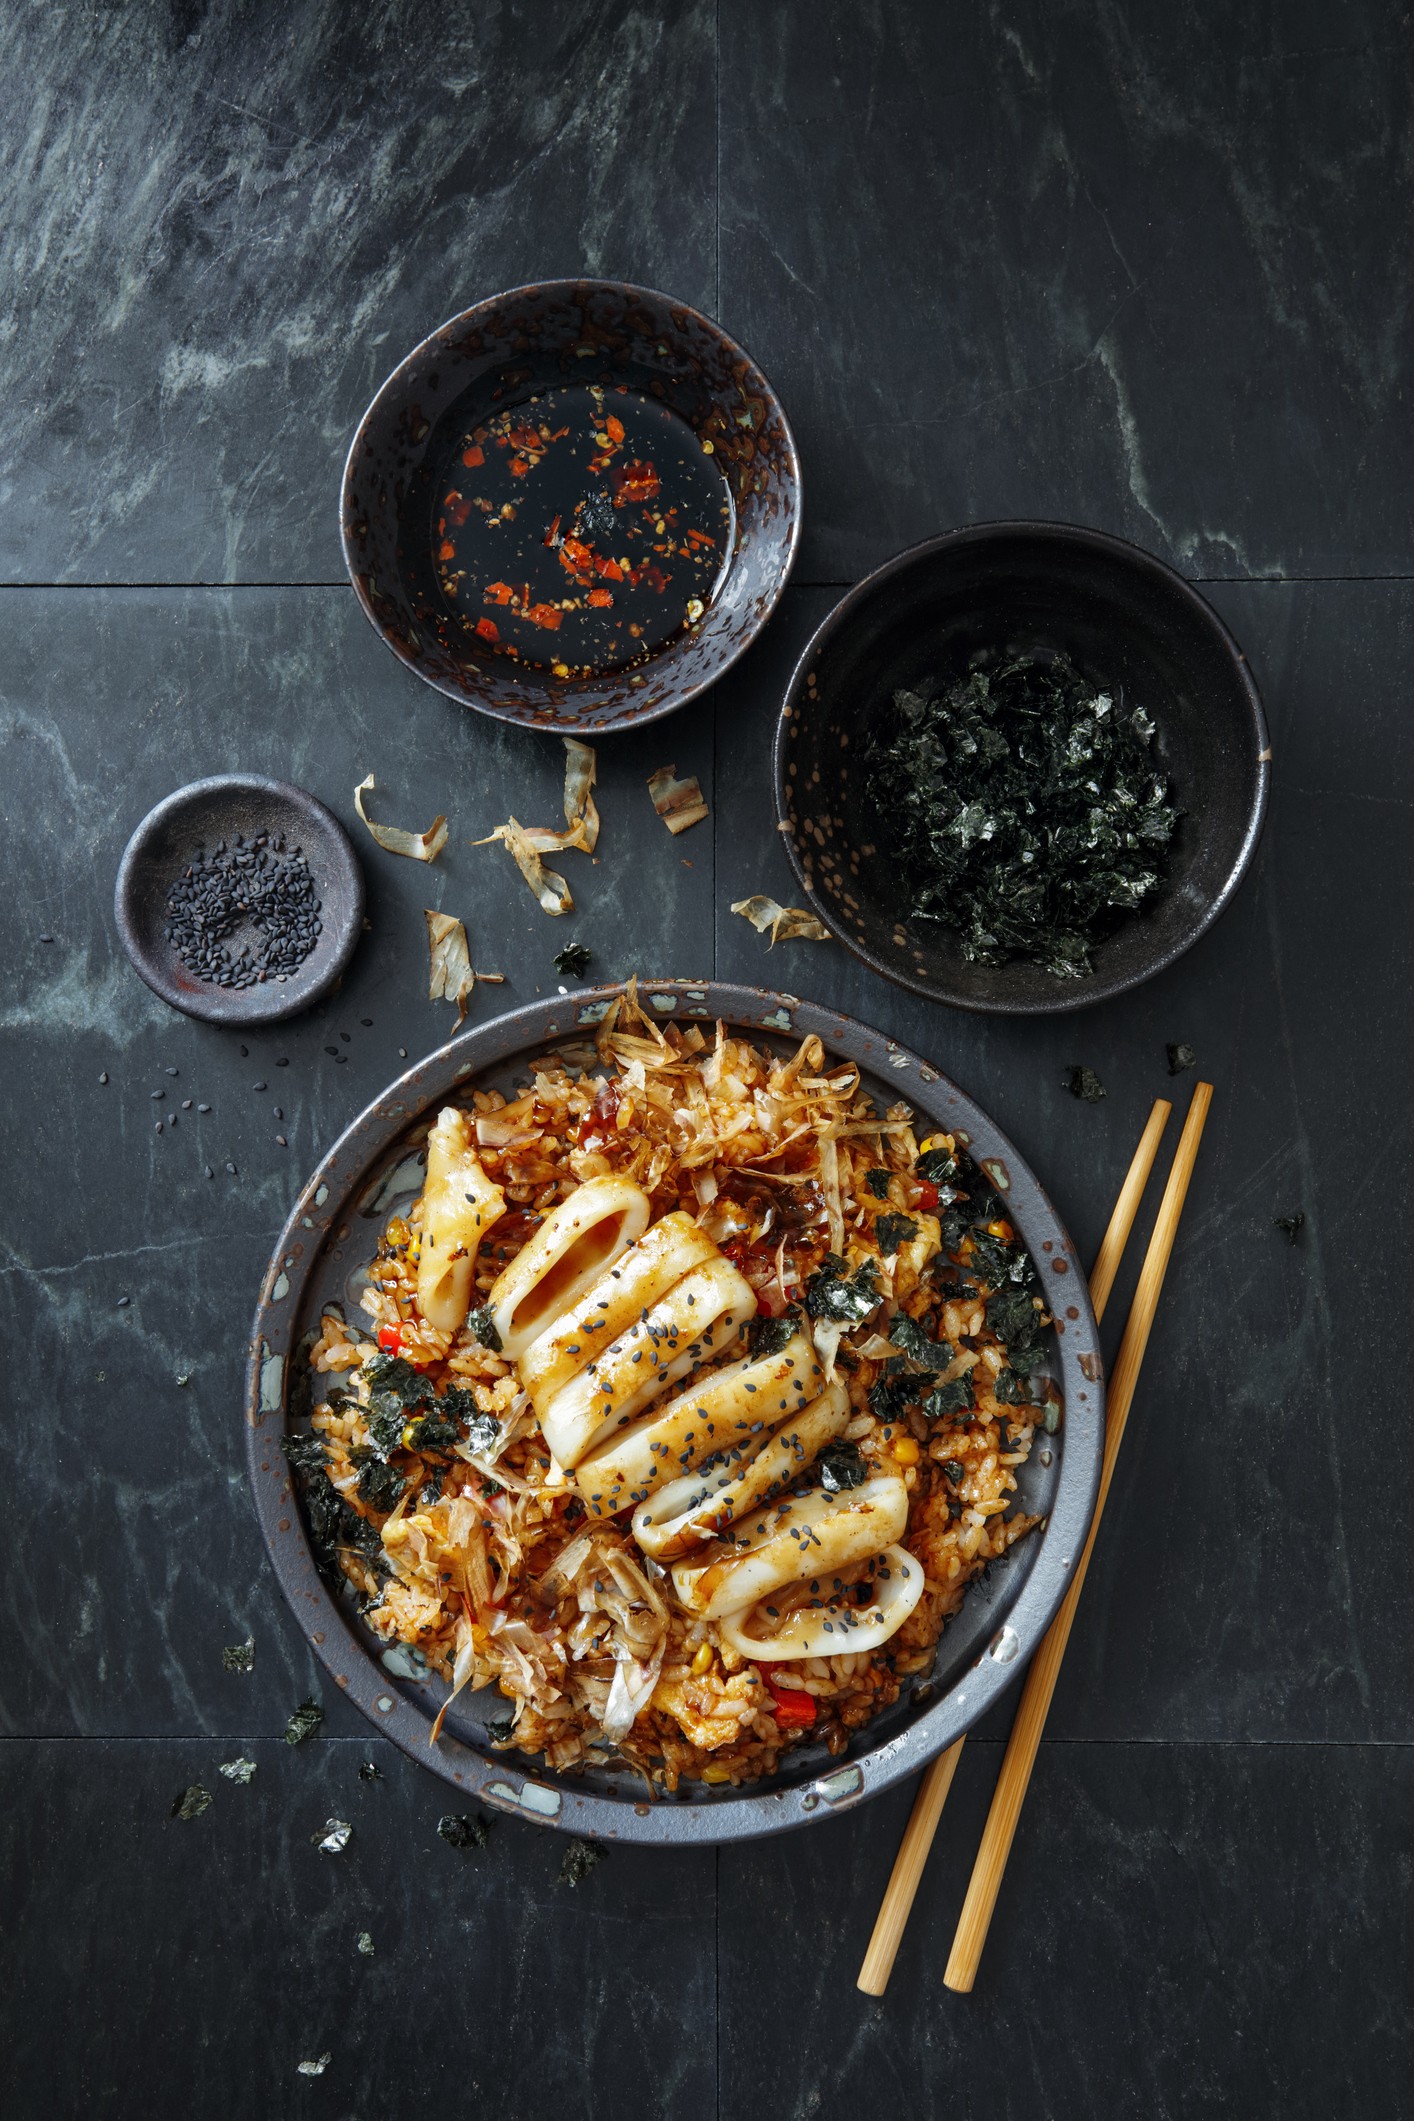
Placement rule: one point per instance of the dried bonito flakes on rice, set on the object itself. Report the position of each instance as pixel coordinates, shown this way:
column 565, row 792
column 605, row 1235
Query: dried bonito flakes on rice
column 684, row 1405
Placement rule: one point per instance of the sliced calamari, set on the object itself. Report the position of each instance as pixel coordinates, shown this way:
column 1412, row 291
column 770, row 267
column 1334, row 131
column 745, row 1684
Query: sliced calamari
column 459, row 1205
column 800, row 1538
column 699, row 1506
column 831, row 1627
column 577, row 1242
column 725, row 1413
column 598, row 1310
column 698, row 1317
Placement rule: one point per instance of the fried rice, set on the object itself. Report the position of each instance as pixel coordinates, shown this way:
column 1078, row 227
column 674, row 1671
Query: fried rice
column 463, row 1539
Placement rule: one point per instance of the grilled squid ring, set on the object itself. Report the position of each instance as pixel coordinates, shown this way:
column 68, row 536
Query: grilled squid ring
column 599, row 1310
column 574, row 1245
column 459, row 1205
column 699, row 1316
column 800, row 1539
column 699, row 1506
column 833, row 1627
column 725, row 1412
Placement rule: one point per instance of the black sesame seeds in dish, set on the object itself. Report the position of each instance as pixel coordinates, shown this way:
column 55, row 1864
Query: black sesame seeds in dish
column 239, row 899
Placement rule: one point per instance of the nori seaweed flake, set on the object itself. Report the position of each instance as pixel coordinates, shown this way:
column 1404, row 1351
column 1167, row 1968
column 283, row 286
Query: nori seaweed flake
column 581, row 1857
column 1083, row 1083
column 1290, row 1226
column 304, row 1722
column 237, row 1770
column 333, row 1837
column 316, row 2068
column 461, row 1831
column 365, row 1943
column 1026, row 807
column 842, row 1465
column 239, row 1656
column 369, row 1771
column 192, row 1802
column 1181, row 1057
column 573, row 960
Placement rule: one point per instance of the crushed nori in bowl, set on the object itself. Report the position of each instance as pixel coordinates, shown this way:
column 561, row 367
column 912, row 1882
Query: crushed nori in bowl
column 1026, row 809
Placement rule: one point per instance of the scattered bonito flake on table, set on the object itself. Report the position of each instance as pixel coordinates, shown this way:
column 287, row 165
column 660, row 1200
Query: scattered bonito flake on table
column 451, row 977
column 678, row 803
column 528, row 843
column 418, row 846
column 788, row 924
column 317, row 2067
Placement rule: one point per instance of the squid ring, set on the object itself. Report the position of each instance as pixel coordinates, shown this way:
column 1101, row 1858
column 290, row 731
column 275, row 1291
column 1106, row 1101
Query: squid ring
column 723, row 1415
column 459, row 1205
column 835, row 1628
column 800, row 1539
column 698, row 1506
column 577, row 1241
column 699, row 1316
column 606, row 1303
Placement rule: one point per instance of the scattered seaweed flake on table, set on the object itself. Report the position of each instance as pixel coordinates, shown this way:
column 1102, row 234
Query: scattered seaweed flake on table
column 574, row 960
column 237, row 1770
column 190, row 1803
column 1181, row 1057
column 1026, row 808
column 365, row 1943
column 333, row 1837
column 245, row 913
column 369, row 1771
column 317, row 2067
column 237, row 1656
column 581, row 1857
column 1083, row 1083
column 304, row 1722
column 581, row 529
column 1290, row 1226
column 461, row 1831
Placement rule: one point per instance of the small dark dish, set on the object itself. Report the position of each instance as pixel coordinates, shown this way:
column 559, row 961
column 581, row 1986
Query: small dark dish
column 203, row 814
column 495, row 356
column 1128, row 623
column 376, row 1169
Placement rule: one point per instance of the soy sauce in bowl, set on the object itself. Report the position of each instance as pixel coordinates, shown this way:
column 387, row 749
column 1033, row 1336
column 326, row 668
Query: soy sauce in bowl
column 580, row 530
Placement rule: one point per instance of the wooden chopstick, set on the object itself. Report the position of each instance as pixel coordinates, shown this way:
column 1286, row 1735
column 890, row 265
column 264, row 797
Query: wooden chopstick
column 923, row 1820
column 1010, row 1793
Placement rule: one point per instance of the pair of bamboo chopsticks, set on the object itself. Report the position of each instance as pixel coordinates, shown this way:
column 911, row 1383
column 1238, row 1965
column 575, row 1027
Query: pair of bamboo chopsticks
column 1041, row 1679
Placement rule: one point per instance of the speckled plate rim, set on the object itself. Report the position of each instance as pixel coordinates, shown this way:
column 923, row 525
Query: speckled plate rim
column 1085, row 993
column 504, row 1781
column 225, row 1006
column 631, row 718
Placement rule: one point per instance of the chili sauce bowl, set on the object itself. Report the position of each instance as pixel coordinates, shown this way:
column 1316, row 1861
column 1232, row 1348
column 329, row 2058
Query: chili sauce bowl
column 445, row 574
column 1131, row 625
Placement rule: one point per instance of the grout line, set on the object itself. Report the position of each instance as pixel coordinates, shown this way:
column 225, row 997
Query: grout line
column 717, row 103
column 1239, row 581
column 277, row 1737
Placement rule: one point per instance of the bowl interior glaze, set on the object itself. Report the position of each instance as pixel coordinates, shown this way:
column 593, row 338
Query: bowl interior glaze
column 1129, row 623
column 495, row 356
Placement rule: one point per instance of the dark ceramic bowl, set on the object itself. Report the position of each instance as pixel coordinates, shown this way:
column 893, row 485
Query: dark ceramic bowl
column 493, row 357
column 202, row 814
column 375, row 1171
column 1127, row 621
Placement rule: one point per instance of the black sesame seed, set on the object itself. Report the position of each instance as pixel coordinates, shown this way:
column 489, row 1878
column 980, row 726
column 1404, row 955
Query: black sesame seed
column 282, row 1064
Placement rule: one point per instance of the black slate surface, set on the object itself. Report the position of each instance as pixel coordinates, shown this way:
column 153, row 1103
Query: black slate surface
column 1144, row 269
